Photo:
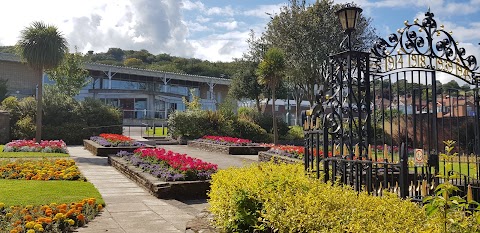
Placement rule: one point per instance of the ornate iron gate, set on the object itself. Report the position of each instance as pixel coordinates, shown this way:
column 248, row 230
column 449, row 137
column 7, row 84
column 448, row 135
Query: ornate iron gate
column 382, row 121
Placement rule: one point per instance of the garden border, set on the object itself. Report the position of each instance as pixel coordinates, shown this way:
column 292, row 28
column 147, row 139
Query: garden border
column 180, row 190
column 264, row 156
column 99, row 150
column 225, row 149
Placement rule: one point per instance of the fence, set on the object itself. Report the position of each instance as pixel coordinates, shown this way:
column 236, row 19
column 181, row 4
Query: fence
column 381, row 118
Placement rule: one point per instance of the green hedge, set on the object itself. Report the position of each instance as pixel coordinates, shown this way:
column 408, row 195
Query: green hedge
column 192, row 124
column 281, row 198
column 64, row 118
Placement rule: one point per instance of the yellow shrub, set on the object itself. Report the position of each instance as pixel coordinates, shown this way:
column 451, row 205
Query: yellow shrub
column 282, row 197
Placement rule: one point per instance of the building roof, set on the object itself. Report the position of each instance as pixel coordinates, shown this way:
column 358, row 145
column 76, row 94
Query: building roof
column 136, row 71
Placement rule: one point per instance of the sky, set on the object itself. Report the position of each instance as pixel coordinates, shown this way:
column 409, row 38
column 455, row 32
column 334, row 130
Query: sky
column 211, row 30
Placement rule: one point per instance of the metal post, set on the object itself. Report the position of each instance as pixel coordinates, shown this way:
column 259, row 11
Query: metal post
column 403, row 171
column 154, row 128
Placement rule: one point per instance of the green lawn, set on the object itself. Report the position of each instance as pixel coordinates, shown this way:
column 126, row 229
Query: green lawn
column 159, row 131
column 33, row 192
column 460, row 168
column 29, row 154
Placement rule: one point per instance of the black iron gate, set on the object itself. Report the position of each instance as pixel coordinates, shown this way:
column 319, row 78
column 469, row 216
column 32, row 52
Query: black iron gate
column 382, row 122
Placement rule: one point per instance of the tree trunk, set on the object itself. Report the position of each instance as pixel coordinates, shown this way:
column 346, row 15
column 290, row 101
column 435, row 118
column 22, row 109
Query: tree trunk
column 257, row 102
column 275, row 131
column 38, row 131
column 265, row 106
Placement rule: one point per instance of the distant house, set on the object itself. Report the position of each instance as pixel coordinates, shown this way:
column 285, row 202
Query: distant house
column 451, row 106
column 446, row 106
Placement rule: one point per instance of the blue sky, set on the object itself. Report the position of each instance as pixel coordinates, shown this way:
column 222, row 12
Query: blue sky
column 208, row 29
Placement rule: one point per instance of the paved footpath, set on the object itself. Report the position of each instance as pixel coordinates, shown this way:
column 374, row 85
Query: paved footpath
column 131, row 209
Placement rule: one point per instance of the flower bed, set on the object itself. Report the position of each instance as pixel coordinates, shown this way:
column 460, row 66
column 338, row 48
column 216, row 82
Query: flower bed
column 110, row 144
column 295, row 152
column 166, row 174
column 230, row 141
column 228, row 145
column 115, row 140
column 45, row 169
column 168, row 165
column 48, row 218
column 53, row 146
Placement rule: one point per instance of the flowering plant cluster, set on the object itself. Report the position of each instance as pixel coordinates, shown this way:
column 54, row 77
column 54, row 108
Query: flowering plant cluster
column 53, row 146
column 168, row 165
column 45, row 169
column 226, row 140
column 113, row 140
column 48, row 218
column 295, row 152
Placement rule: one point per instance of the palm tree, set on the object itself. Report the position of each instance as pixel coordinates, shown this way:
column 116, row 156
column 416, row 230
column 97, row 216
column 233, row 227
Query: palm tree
column 43, row 47
column 270, row 72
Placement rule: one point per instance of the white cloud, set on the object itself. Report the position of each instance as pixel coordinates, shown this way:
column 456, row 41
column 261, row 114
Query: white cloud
column 227, row 25
column 221, row 47
column 190, row 5
column 228, row 11
column 196, row 27
column 202, row 19
column 263, row 11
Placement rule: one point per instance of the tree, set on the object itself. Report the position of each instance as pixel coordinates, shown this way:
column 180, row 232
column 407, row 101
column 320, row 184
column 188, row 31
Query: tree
column 133, row 62
column 270, row 72
column 43, row 47
column 116, row 53
column 70, row 76
column 308, row 35
column 245, row 83
column 451, row 87
column 194, row 103
column 3, row 89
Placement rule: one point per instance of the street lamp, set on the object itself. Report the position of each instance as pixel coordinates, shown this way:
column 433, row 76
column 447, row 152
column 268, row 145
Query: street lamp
column 349, row 16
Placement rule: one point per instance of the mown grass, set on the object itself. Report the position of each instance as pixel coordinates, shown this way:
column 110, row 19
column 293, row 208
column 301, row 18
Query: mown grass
column 33, row 192
column 29, row 154
column 159, row 131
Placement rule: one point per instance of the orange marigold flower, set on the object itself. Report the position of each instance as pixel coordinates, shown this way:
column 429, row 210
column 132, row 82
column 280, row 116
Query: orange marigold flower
column 81, row 217
column 70, row 213
column 48, row 220
column 99, row 207
column 28, row 218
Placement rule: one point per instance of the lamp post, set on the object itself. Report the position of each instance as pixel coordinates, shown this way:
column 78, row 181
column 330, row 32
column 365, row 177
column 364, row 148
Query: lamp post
column 349, row 16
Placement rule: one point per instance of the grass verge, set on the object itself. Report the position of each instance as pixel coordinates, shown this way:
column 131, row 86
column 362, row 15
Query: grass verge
column 33, row 192
column 159, row 131
column 29, row 154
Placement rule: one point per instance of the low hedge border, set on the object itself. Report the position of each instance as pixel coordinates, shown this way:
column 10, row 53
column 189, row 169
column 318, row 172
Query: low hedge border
column 231, row 150
column 264, row 156
column 99, row 150
column 180, row 190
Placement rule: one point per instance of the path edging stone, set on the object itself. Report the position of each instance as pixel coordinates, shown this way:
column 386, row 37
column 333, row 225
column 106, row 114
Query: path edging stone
column 264, row 156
